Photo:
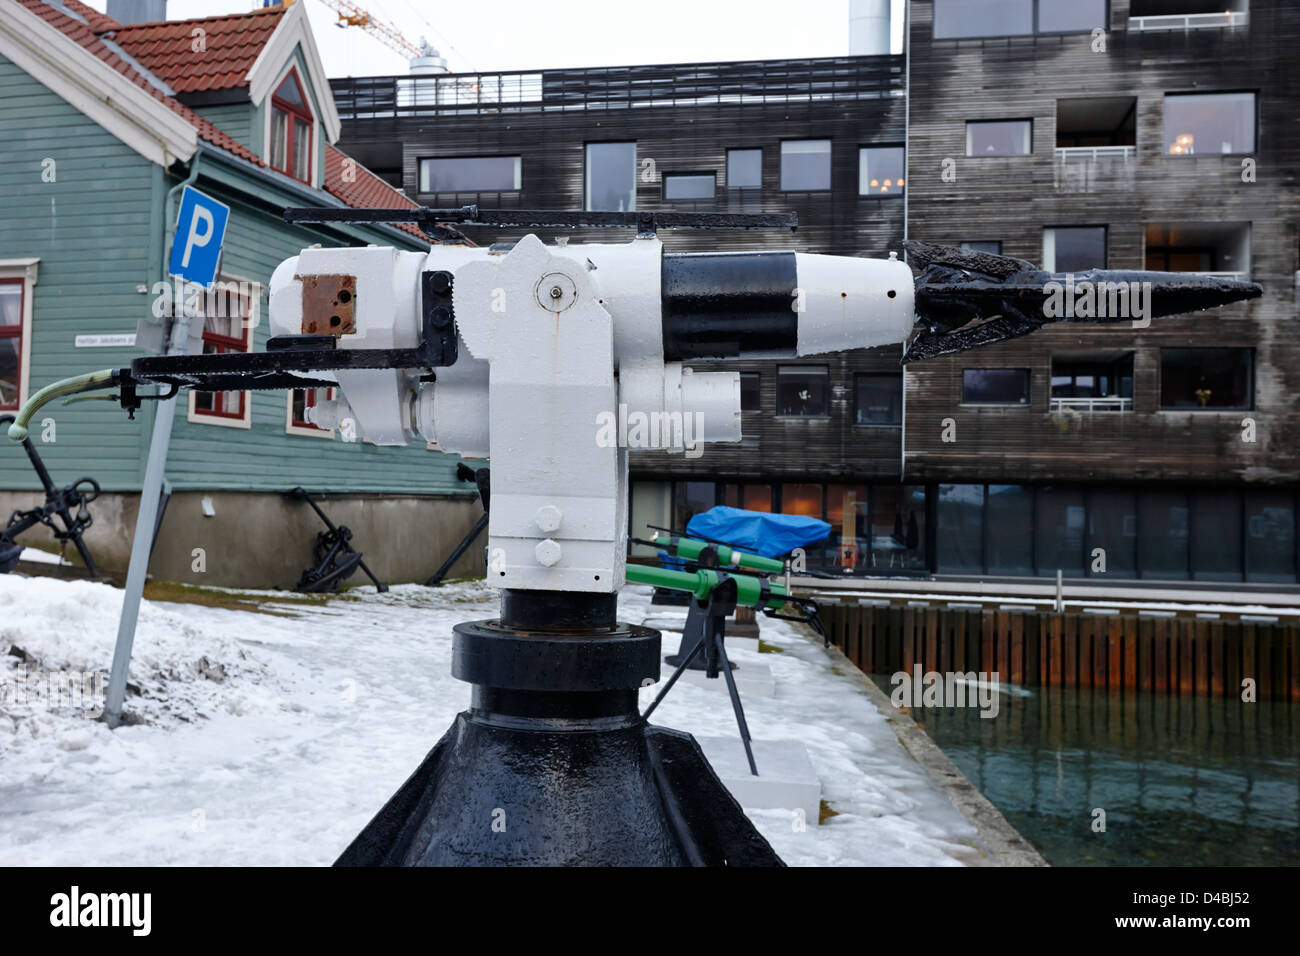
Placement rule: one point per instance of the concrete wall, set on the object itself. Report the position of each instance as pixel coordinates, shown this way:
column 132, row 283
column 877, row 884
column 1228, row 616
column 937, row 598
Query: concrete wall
column 264, row 540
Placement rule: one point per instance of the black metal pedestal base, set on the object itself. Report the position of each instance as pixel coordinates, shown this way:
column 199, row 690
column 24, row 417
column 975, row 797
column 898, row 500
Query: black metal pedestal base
column 552, row 765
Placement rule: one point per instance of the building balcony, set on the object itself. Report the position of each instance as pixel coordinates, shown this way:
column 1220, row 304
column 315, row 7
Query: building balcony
column 1109, row 404
column 1089, row 169
column 1224, row 19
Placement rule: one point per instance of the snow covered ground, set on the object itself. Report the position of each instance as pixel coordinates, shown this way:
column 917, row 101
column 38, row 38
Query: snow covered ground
column 272, row 738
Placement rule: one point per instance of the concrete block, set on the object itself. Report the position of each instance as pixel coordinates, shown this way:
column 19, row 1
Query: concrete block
column 786, row 779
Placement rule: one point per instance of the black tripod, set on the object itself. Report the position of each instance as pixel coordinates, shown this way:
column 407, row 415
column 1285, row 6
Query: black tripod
column 705, row 628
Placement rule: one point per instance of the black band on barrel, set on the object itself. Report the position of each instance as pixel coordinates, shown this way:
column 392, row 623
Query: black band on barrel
column 726, row 305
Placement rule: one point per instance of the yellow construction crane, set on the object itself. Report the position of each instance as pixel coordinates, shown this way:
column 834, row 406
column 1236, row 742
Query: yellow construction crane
column 353, row 15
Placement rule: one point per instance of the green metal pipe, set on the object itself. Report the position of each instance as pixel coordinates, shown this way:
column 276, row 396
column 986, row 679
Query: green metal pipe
column 749, row 590
column 690, row 549
column 67, row 386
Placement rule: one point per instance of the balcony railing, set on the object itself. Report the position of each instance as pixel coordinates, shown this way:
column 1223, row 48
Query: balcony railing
column 1189, row 21
column 1065, row 154
column 1086, row 169
column 1109, row 404
column 825, row 79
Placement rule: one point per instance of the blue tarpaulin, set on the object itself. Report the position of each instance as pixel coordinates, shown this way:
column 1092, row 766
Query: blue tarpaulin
column 769, row 535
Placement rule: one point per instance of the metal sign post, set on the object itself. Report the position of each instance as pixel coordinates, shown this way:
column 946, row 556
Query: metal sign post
column 196, row 249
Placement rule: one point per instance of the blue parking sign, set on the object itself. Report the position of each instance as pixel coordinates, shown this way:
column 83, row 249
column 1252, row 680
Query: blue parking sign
column 196, row 245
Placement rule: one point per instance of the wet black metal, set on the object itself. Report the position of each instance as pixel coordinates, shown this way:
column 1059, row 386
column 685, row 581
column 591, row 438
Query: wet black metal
column 433, row 222
column 727, row 304
column 551, row 706
column 966, row 300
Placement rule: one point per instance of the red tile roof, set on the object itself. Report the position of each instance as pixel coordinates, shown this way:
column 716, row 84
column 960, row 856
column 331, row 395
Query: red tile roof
column 359, row 188
column 366, row 190
column 230, row 45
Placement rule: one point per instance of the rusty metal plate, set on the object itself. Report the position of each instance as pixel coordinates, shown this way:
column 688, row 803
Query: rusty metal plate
column 328, row 304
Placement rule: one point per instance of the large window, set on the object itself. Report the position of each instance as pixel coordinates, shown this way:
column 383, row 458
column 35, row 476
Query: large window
column 880, row 171
column 1074, row 248
column 995, row 386
column 1112, row 530
column 471, row 174
column 1270, row 537
column 956, row 19
column 806, row 164
column 1205, row 124
column 1096, row 383
column 1165, row 522
column 803, row 391
column 291, row 128
column 999, row 137
column 744, row 169
column 11, row 343
column 1071, row 16
column 878, row 398
column 1059, row 526
column 690, row 186
column 1220, row 378
column 611, row 177
column 227, row 327
column 960, row 514
column 898, row 527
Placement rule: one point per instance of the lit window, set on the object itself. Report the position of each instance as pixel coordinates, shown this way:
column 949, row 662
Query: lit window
column 689, row 186
column 11, row 343
column 995, row 386
column 806, row 164
column 611, row 177
column 1071, row 16
column 999, row 138
column 880, row 171
column 802, row 391
column 1205, row 124
column 1214, row 378
column 471, row 174
column 744, row 169
column 291, row 126
column 227, row 327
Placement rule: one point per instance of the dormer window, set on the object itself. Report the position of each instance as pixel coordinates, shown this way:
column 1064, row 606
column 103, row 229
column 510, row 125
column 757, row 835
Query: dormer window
column 291, row 125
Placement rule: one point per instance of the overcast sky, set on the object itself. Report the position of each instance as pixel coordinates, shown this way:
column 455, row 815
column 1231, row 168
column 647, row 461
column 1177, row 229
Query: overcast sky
column 526, row 34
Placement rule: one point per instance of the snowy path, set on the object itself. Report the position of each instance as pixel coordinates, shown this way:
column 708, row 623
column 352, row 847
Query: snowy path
column 317, row 716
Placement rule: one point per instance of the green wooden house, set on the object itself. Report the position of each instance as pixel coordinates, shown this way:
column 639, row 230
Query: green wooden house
column 101, row 124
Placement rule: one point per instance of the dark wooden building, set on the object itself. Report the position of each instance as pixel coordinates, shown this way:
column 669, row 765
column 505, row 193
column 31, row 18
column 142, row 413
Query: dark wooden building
column 1153, row 134
column 1127, row 134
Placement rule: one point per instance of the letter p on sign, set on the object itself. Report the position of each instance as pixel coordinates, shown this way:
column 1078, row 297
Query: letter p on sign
column 196, row 244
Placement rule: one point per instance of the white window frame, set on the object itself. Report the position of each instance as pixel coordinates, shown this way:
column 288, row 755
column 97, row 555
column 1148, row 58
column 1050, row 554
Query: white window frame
column 291, row 429
column 192, row 414
column 317, row 172
column 26, row 270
